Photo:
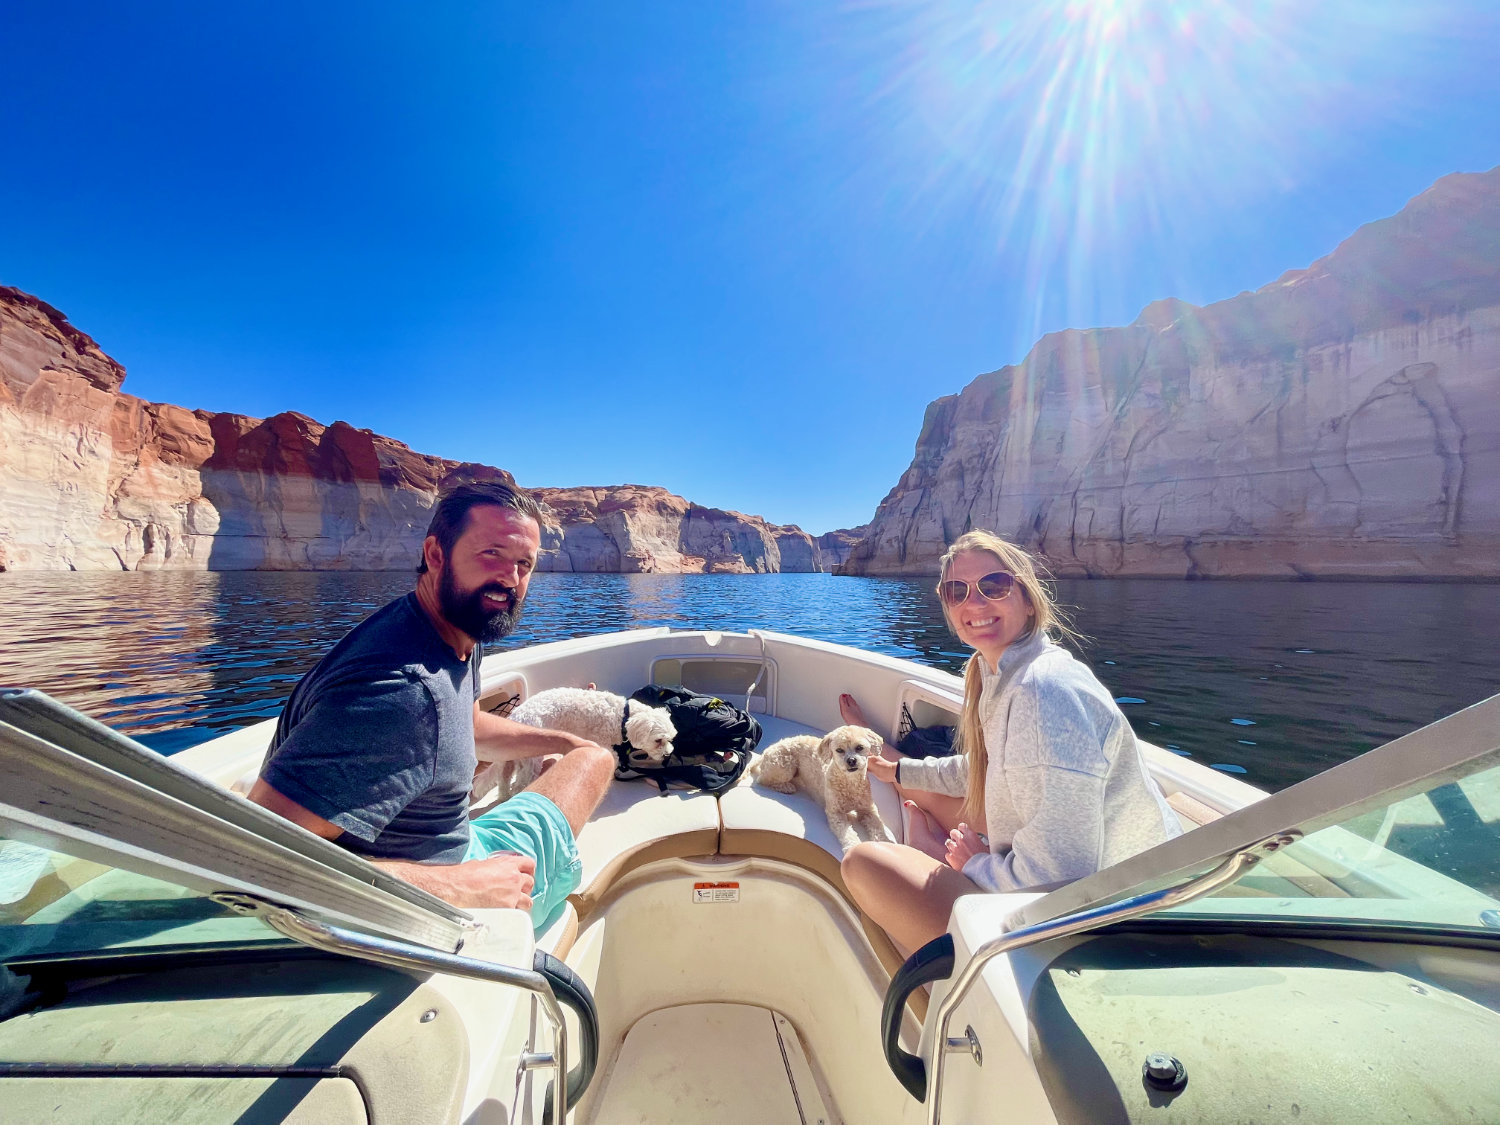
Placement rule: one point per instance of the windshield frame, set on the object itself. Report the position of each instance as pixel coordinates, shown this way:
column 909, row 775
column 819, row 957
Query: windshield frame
column 143, row 813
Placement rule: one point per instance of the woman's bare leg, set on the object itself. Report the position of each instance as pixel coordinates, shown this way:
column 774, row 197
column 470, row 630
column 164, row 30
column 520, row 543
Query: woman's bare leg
column 946, row 810
column 926, row 834
column 906, row 893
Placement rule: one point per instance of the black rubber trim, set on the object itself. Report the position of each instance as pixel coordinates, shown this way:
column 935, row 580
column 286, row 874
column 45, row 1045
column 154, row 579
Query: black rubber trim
column 1407, row 933
column 166, row 1070
column 571, row 992
column 934, row 961
column 110, row 962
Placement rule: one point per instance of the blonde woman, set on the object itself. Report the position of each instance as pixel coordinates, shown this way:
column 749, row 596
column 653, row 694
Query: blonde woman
column 1047, row 785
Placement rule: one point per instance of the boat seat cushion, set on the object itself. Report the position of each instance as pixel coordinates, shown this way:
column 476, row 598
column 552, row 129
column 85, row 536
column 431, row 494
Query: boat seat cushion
column 791, row 826
column 635, row 824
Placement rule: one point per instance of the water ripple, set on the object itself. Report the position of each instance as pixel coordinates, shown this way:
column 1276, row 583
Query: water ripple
column 177, row 658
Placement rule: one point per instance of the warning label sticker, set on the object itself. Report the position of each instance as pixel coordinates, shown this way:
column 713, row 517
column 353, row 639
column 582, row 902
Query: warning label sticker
column 716, row 892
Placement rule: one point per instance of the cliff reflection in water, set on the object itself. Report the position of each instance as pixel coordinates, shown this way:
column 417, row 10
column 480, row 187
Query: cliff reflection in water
column 1279, row 680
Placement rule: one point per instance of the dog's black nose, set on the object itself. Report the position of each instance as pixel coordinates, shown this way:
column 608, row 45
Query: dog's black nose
column 852, row 761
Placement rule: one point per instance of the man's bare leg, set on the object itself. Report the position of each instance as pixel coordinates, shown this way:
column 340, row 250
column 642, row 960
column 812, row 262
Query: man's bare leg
column 577, row 783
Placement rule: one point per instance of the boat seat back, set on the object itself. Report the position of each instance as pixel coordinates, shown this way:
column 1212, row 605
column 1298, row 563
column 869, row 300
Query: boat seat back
column 638, row 824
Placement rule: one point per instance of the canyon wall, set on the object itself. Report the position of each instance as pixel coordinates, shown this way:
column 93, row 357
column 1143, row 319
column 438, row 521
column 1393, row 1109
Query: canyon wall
column 1343, row 421
column 836, row 546
column 95, row 479
column 637, row 529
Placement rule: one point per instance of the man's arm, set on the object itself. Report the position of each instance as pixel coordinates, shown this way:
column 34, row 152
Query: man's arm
column 500, row 881
column 498, row 739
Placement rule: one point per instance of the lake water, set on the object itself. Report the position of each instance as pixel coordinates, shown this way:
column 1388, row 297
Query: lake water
column 1278, row 680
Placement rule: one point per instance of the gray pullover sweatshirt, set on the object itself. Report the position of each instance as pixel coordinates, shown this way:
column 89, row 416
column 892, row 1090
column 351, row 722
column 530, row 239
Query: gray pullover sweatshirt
column 1066, row 790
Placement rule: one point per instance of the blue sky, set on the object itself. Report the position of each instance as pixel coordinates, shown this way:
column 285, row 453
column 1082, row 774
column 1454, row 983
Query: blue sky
column 732, row 249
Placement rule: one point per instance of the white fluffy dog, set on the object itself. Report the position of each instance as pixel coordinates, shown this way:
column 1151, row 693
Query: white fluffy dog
column 598, row 716
column 834, row 770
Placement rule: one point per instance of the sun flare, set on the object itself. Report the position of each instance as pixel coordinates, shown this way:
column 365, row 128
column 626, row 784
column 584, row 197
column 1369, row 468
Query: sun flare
column 1071, row 127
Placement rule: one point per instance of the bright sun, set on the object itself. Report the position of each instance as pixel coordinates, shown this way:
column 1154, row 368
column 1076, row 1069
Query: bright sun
column 1067, row 125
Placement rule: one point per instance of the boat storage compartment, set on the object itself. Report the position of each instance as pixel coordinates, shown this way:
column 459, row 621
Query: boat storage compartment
column 733, row 1064
column 314, row 1040
column 728, row 677
column 637, row 824
column 927, row 705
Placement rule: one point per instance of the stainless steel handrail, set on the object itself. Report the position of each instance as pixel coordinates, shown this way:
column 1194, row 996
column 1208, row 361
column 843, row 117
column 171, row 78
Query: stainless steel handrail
column 402, row 955
column 1227, row 872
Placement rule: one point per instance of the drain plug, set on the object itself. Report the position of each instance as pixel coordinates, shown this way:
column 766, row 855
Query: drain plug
column 1164, row 1072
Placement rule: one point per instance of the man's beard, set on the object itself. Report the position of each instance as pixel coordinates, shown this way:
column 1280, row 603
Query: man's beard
column 470, row 613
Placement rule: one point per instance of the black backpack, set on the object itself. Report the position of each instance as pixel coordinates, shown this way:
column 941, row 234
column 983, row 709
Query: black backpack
column 712, row 747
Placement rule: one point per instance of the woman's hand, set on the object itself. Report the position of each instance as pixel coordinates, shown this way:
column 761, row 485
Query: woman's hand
column 884, row 769
column 964, row 844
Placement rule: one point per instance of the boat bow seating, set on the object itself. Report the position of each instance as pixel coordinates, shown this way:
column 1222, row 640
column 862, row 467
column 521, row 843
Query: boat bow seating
column 637, row 825
column 791, row 826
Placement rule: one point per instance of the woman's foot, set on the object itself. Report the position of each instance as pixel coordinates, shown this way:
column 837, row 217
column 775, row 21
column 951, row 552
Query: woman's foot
column 850, row 711
column 854, row 716
column 925, row 833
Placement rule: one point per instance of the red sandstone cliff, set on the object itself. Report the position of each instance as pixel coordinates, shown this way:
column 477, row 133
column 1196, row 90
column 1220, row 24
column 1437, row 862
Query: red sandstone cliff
column 1343, row 421
column 92, row 479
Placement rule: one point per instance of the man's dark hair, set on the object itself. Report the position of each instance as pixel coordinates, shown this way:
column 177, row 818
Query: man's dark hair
column 451, row 515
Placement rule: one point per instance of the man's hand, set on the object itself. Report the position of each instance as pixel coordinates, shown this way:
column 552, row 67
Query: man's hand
column 499, row 882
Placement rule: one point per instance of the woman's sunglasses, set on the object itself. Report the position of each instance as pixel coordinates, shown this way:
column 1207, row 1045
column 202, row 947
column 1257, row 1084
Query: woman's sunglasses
column 993, row 587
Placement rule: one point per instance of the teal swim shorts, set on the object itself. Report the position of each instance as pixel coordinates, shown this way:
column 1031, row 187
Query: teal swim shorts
column 530, row 824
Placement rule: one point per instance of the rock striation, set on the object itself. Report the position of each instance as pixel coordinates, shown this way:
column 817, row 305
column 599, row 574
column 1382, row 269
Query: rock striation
column 1343, row 421
column 638, row 529
column 835, row 546
column 94, row 479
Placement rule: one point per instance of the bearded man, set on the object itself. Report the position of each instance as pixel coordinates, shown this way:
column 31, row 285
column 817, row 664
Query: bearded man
column 377, row 746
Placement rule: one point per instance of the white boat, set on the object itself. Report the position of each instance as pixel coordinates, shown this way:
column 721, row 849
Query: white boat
column 191, row 957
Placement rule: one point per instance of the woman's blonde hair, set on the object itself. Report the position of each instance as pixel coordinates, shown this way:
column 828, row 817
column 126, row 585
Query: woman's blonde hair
column 1047, row 618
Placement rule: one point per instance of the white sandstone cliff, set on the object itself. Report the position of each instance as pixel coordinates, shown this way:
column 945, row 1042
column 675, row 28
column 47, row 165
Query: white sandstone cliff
column 1343, row 421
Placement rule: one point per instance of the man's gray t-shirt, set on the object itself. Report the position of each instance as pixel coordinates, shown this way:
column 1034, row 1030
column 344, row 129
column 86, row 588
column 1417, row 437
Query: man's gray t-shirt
column 379, row 739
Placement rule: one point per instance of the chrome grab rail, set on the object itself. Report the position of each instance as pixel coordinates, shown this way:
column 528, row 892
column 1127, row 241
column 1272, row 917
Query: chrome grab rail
column 401, row 955
column 1227, row 872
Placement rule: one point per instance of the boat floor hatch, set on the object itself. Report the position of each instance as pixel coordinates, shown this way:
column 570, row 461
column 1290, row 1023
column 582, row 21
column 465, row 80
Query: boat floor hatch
column 729, row 1064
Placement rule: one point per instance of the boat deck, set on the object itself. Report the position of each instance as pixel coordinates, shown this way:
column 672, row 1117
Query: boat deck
column 746, row 1066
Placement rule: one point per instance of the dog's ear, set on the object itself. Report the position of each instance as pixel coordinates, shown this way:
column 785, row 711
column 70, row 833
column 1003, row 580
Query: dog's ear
column 643, row 730
column 639, row 729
